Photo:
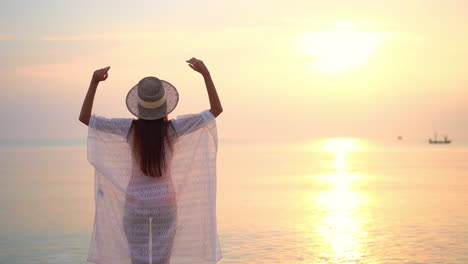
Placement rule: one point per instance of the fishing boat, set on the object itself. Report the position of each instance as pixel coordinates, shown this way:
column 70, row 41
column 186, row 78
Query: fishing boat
column 435, row 141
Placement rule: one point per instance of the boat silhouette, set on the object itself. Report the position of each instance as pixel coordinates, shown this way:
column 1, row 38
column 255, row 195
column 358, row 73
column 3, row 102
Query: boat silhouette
column 435, row 141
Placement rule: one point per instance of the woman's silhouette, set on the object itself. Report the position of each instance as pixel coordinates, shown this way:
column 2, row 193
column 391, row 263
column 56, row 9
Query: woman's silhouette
column 150, row 211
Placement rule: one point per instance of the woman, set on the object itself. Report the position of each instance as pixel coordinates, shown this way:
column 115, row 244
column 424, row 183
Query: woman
column 156, row 175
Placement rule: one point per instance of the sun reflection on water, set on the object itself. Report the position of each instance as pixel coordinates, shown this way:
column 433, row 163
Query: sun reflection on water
column 341, row 226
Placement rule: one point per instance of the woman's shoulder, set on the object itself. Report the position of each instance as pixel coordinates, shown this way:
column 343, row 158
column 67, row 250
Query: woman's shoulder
column 115, row 125
column 186, row 123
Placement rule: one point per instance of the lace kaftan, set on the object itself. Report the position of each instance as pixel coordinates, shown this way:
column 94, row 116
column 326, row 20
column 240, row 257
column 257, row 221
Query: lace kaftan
column 171, row 219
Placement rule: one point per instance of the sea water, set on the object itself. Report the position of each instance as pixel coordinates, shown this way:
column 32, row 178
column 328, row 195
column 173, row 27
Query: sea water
column 330, row 201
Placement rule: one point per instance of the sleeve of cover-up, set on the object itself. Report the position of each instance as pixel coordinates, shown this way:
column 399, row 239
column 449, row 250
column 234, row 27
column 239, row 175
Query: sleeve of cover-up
column 107, row 145
column 115, row 126
column 185, row 124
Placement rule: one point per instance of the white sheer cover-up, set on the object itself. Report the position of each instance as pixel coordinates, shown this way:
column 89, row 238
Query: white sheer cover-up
column 174, row 214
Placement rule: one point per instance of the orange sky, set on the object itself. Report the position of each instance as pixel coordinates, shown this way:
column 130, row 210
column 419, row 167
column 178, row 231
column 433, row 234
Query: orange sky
column 284, row 71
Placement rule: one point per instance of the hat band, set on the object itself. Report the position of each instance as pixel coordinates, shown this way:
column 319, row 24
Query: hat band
column 154, row 104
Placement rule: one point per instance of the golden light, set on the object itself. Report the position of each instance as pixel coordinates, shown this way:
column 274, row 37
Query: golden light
column 341, row 48
column 340, row 145
column 341, row 178
column 341, row 226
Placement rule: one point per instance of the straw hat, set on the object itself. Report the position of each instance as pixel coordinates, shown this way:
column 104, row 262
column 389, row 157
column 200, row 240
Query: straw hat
column 152, row 98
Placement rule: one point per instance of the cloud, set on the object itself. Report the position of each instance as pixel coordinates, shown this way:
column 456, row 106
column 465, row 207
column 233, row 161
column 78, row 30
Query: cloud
column 49, row 71
column 5, row 36
column 106, row 36
column 65, row 70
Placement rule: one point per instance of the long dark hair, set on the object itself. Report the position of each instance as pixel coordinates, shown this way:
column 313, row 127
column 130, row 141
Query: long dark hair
column 148, row 145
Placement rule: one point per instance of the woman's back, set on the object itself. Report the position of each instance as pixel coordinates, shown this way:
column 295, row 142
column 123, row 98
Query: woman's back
column 147, row 194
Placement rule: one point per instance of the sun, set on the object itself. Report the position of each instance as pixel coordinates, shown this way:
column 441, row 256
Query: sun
column 341, row 48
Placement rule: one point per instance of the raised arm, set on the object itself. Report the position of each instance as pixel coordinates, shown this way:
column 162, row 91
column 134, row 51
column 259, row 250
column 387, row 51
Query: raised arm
column 99, row 75
column 215, row 104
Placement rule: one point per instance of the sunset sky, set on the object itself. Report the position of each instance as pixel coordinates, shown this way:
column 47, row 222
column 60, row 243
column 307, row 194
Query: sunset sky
column 284, row 70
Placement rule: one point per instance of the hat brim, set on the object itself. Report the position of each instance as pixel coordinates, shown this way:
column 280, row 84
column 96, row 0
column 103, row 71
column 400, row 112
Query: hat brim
column 172, row 98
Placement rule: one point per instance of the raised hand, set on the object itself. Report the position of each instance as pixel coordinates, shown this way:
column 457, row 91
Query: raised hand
column 215, row 104
column 100, row 75
column 198, row 65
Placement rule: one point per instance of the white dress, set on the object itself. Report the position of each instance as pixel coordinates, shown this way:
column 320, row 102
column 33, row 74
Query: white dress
column 150, row 214
column 140, row 219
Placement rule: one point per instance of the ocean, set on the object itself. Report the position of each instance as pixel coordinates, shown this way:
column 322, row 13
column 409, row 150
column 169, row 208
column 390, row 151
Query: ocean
column 338, row 200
